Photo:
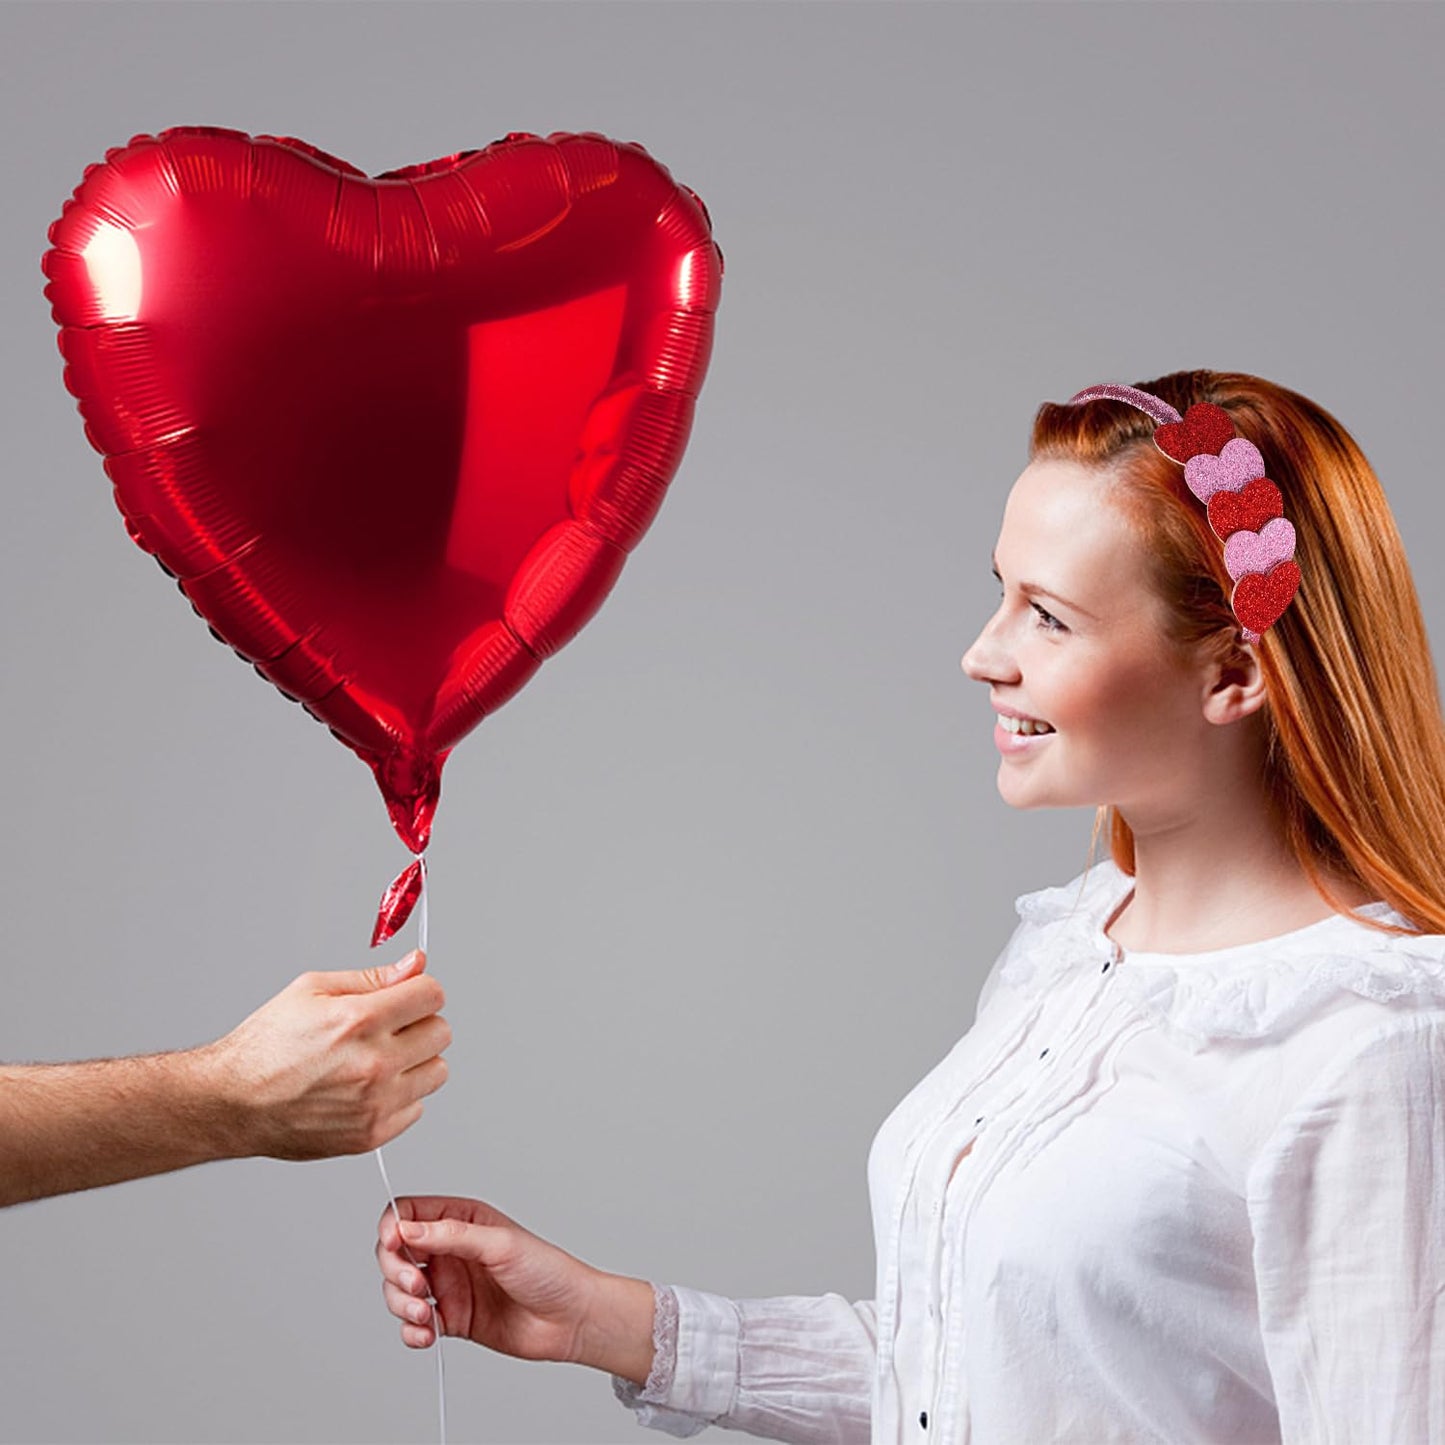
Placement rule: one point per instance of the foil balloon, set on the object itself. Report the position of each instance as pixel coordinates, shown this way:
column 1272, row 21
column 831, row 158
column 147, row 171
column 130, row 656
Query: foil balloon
column 394, row 436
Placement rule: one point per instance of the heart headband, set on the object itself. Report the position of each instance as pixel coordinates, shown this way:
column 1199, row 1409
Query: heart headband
column 1246, row 510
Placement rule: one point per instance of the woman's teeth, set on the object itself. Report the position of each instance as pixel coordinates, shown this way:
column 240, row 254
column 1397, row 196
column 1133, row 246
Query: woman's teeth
column 1023, row 725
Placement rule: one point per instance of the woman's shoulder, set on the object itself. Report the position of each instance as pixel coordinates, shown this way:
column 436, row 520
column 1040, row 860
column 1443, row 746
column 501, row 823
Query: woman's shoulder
column 1251, row 992
column 1270, row 990
column 1279, row 984
column 1076, row 899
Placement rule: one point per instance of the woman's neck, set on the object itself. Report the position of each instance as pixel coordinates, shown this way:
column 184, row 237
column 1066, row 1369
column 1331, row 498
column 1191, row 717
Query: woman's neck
column 1171, row 911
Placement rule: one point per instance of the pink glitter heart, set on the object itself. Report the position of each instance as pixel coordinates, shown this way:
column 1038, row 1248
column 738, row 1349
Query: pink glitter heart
column 1259, row 551
column 1238, row 463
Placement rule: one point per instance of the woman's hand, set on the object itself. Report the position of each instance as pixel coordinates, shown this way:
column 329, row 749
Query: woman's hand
column 494, row 1282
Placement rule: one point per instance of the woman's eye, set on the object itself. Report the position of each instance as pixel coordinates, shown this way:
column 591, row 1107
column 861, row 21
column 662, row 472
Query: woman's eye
column 1047, row 621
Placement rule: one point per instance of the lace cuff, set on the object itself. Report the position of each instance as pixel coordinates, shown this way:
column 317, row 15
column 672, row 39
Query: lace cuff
column 664, row 1347
column 646, row 1401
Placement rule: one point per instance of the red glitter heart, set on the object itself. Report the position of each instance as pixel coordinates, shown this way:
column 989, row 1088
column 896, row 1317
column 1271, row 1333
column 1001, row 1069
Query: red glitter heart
column 1205, row 428
column 1246, row 510
column 1260, row 597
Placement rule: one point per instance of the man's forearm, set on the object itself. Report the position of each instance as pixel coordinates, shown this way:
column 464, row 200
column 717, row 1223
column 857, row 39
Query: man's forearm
column 65, row 1127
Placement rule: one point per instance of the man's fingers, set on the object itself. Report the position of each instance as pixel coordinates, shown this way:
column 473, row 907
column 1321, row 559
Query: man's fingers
column 371, row 980
column 425, row 1079
column 407, row 1002
column 423, row 1040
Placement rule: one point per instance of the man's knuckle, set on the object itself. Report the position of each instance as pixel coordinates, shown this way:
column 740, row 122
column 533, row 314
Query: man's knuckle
column 358, row 1073
column 351, row 1015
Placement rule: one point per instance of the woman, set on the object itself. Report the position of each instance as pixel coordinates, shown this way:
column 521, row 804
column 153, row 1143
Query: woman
column 1184, row 1178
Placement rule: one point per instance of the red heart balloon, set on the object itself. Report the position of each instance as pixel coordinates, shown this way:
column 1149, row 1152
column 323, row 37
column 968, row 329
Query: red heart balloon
column 1245, row 510
column 394, row 436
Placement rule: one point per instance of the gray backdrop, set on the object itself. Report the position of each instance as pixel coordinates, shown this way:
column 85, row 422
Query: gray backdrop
column 722, row 882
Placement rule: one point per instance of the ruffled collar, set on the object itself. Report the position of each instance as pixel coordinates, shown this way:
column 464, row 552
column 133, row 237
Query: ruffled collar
column 1251, row 990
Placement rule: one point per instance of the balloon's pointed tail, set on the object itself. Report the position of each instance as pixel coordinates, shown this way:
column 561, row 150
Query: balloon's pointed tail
column 411, row 784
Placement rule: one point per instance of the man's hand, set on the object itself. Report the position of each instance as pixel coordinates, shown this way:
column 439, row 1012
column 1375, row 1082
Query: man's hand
column 336, row 1063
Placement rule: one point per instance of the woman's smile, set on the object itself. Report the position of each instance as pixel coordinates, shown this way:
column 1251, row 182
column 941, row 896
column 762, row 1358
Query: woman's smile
column 1010, row 744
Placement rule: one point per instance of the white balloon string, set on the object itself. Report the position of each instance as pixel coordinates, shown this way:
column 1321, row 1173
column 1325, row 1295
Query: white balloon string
column 396, row 1213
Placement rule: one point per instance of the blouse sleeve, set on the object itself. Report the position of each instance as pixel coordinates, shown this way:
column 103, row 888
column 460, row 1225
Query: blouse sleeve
column 794, row 1368
column 1347, row 1204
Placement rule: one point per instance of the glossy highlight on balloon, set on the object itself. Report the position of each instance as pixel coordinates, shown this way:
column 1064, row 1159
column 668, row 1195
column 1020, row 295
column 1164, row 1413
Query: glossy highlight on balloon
column 393, row 436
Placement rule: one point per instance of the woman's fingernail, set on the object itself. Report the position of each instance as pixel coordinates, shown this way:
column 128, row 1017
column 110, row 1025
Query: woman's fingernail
column 410, row 1229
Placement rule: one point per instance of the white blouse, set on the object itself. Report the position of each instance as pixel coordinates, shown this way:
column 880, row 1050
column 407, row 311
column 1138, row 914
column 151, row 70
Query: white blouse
column 1146, row 1197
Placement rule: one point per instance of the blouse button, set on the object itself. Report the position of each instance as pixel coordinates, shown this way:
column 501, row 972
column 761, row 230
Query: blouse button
column 923, row 1419
column 979, row 1120
column 1045, row 1051
column 1105, row 968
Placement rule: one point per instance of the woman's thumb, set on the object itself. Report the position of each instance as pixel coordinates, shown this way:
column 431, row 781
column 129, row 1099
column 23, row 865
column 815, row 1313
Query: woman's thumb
column 476, row 1242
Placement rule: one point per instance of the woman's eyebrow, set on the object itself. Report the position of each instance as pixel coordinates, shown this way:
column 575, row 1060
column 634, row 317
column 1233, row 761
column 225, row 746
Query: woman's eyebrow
column 1031, row 589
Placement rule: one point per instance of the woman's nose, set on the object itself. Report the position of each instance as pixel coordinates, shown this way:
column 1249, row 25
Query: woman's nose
column 984, row 660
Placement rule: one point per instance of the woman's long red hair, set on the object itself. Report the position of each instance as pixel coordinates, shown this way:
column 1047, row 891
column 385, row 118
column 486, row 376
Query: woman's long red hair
column 1356, row 753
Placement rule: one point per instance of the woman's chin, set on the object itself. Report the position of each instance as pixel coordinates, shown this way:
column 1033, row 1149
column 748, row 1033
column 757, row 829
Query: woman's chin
column 1021, row 793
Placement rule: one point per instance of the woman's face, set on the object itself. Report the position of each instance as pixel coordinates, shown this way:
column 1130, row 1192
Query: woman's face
column 1091, row 658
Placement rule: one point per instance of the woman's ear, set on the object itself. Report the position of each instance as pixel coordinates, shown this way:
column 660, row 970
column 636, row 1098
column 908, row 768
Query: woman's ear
column 1236, row 684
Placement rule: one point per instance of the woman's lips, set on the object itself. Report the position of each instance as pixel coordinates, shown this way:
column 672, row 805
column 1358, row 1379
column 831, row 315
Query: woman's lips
column 1009, row 743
